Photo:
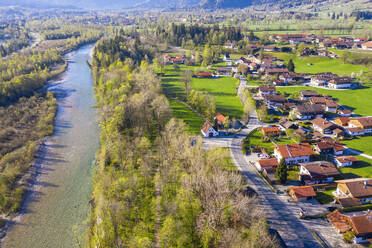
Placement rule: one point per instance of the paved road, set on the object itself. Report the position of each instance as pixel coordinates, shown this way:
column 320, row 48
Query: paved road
column 281, row 215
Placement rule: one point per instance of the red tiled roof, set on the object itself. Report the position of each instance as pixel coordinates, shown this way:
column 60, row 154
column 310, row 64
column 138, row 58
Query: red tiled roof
column 303, row 191
column 339, row 221
column 367, row 44
column 206, row 127
column 361, row 224
column 266, row 130
column 270, row 162
column 220, row 118
column 295, row 150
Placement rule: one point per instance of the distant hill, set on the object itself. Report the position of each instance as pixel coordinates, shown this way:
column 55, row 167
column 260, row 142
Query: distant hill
column 207, row 4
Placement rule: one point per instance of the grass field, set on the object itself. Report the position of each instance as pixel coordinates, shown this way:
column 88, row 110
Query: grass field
column 192, row 120
column 363, row 144
column 359, row 100
column 319, row 64
column 363, row 168
column 223, row 89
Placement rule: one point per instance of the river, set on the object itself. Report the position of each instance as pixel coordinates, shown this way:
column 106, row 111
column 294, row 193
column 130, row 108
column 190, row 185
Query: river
column 54, row 211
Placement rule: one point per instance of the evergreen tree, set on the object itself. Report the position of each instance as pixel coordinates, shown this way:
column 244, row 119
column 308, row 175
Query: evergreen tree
column 291, row 66
column 281, row 172
column 251, row 36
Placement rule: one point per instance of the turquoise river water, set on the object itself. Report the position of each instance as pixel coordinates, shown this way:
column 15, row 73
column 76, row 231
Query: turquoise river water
column 55, row 210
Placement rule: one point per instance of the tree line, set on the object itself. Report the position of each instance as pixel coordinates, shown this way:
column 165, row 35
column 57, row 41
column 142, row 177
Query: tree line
column 177, row 34
column 153, row 187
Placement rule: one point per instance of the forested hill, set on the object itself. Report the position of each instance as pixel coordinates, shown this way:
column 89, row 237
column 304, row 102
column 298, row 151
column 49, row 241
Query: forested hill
column 207, row 4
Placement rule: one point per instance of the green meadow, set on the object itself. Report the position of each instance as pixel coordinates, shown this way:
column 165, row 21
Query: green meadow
column 319, row 64
column 223, row 89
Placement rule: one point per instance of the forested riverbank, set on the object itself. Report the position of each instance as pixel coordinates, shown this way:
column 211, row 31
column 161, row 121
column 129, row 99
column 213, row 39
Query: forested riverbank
column 153, row 187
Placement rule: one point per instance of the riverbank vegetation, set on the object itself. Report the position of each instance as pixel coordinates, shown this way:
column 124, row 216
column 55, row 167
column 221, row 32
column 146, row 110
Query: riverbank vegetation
column 22, row 125
column 153, row 186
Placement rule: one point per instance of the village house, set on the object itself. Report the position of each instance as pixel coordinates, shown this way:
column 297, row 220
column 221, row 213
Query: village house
column 224, row 71
column 274, row 101
column 359, row 223
column 367, row 45
column 269, row 164
column 266, row 90
column 204, row 74
column 340, row 83
column 328, row 103
column 270, row 131
column 345, row 161
column 355, row 131
column 308, row 94
column 323, row 126
column 308, row 111
column 208, row 130
column 362, row 122
column 220, row 121
column 360, row 188
column 338, row 133
column 302, row 193
column 285, row 124
column 329, row 146
column 322, row 79
column 342, row 121
column 318, row 172
column 293, row 154
column 275, row 71
column 344, row 112
column 231, row 45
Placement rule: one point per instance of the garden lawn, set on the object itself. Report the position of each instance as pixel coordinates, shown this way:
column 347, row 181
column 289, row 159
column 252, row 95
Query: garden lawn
column 223, row 89
column 362, row 144
column 359, row 100
column 255, row 139
column 193, row 121
column 363, row 168
column 325, row 197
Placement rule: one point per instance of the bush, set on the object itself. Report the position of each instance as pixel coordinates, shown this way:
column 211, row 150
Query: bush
column 348, row 237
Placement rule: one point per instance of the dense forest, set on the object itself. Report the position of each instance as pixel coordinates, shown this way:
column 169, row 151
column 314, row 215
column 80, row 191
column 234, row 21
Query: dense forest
column 14, row 37
column 177, row 34
column 153, row 186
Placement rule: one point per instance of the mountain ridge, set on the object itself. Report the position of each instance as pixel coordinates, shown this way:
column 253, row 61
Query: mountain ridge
column 204, row 4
